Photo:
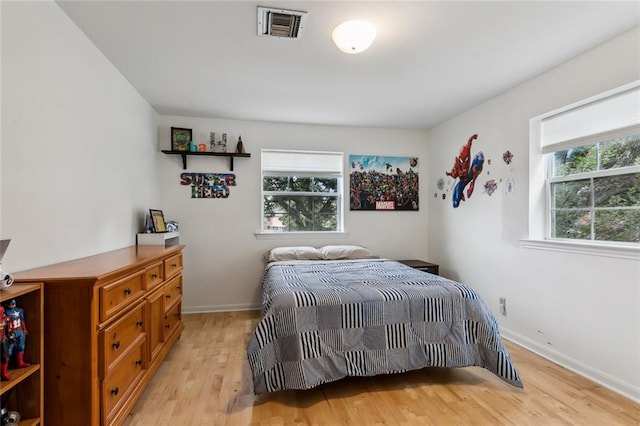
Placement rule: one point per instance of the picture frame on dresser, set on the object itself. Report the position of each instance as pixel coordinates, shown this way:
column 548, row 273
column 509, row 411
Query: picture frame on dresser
column 181, row 139
column 157, row 220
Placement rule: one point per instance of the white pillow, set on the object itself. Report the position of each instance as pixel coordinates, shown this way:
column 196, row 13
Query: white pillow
column 294, row 253
column 345, row 252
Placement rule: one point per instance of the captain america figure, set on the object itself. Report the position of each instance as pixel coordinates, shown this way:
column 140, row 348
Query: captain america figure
column 16, row 333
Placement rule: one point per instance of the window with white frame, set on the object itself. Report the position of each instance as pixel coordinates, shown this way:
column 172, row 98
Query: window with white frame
column 590, row 153
column 302, row 191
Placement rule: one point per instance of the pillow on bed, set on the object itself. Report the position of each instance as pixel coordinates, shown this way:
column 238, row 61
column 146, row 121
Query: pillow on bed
column 294, row 253
column 345, row 252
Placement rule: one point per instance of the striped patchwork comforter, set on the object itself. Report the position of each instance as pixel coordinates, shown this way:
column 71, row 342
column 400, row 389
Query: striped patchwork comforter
column 325, row 320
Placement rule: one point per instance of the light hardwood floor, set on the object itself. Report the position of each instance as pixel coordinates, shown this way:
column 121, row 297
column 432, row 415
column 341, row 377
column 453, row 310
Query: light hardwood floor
column 205, row 380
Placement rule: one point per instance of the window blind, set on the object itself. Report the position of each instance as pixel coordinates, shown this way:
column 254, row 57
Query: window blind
column 609, row 116
column 301, row 161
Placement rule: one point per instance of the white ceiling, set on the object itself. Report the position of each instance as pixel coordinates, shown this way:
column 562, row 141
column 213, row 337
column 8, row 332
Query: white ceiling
column 430, row 61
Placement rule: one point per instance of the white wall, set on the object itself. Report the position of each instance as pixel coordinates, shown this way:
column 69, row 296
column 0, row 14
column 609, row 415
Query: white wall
column 79, row 152
column 223, row 257
column 580, row 310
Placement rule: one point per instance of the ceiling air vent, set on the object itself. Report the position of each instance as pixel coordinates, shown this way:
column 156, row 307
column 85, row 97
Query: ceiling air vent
column 281, row 23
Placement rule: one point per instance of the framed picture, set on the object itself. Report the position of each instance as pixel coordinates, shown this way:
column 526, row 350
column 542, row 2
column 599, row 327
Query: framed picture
column 157, row 220
column 180, row 139
column 383, row 183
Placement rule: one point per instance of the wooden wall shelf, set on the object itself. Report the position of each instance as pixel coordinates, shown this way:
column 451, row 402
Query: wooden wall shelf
column 184, row 155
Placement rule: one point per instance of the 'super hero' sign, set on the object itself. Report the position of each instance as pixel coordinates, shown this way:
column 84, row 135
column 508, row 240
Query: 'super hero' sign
column 208, row 185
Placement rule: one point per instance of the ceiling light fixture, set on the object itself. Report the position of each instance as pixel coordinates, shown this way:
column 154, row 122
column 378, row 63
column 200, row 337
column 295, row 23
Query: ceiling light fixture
column 354, row 36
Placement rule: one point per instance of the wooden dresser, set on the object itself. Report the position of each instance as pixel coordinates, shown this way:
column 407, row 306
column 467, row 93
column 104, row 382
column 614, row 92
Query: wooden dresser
column 109, row 321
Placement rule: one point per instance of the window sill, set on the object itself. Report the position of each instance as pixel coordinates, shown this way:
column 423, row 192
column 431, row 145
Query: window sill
column 261, row 235
column 621, row 251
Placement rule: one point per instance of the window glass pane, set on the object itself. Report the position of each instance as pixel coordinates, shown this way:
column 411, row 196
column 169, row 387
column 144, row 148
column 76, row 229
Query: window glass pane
column 325, row 185
column 572, row 194
column 617, row 225
column 575, row 160
column 324, row 205
column 617, row 191
column 301, row 184
column 326, row 222
column 276, row 223
column 300, row 213
column 274, row 204
column 572, row 224
column 275, row 183
column 620, row 153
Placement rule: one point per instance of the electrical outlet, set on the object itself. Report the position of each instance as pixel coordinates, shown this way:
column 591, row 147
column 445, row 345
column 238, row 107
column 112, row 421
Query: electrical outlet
column 503, row 305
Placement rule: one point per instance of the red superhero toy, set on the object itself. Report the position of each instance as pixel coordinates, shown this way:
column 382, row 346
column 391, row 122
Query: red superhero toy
column 4, row 357
column 16, row 333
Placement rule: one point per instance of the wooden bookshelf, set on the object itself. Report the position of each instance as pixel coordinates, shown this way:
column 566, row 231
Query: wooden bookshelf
column 24, row 393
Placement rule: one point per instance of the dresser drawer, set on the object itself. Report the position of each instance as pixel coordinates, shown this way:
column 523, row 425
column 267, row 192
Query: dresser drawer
column 117, row 385
column 120, row 294
column 116, row 339
column 171, row 320
column 172, row 265
column 173, row 291
column 155, row 275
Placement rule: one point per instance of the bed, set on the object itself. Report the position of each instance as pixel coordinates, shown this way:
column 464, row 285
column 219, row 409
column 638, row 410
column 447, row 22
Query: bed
column 327, row 316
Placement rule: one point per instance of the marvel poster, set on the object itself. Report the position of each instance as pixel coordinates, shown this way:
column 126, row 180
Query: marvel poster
column 383, row 183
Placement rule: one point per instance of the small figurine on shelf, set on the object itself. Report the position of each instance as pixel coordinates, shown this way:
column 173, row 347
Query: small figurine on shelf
column 16, row 333
column 212, row 141
column 6, row 279
column 148, row 224
column 10, row 418
column 240, row 146
column 4, row 355
column 223, row 143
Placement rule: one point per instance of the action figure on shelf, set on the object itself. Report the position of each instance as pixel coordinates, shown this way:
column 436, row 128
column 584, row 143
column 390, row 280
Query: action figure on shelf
column 6, row 279
column 16, row 333
column 4, row 355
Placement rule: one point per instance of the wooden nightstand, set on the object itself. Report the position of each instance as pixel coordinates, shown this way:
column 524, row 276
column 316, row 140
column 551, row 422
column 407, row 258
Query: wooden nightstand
column 432, row 268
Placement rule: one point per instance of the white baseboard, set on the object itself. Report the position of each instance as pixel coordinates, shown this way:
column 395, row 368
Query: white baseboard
column 615, row 384
column 220, row 308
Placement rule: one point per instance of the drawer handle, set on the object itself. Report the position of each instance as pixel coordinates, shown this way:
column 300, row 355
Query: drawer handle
column 174, row 265
column 115, row 391
column 127, row 291
column 116, row 345
column 139, row 323
column 167, row 326
column 168, row 296
column 139, row 362
column 154, row 276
